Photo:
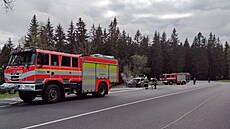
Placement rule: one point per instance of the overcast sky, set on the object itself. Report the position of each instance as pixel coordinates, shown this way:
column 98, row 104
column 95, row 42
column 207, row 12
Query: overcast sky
column 188, row 16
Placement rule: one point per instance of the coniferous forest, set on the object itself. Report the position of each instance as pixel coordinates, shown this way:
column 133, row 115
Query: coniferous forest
column 203, row 58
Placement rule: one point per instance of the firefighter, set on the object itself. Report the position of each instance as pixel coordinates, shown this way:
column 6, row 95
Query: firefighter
column 194, row 81
column 146, row 83
column 154, row 83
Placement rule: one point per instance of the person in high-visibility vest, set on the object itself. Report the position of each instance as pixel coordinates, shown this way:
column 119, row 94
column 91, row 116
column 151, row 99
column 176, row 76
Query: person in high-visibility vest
column 146, row 83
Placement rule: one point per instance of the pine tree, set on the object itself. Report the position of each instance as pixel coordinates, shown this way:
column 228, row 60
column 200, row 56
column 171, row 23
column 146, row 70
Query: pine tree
column 219, row 60
column 174, row 41
column 92, row 37
column 137, row 41
column 122, row 54
column 122, row 46
column 49, row 35
column 165, row 53
column 187, row 60
column 177, row 54
column 71, row 38
column 60, row 43
column 32, row 37
column 5, row 53
column 112, row 38
column 128, row 51
column 144, row 46
column 97, row 40
column 203, row 60
column 82, row 45
column 180, row 63
column 216, row 57
column 104, row 49
column 42, row 38
column 156, row 56
column 138, row 37
column 174, row 63
column 199, row 57
column 210, row 51
column 226, row 60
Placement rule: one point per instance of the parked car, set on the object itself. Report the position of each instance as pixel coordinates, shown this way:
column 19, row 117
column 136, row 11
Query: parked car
column 136, row 82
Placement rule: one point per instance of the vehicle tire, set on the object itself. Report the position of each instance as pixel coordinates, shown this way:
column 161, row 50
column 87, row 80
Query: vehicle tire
column 165, row 83
column 183, row 83
column 51, row 94
column 170, row 82
column 27, row 96
column 101, row 90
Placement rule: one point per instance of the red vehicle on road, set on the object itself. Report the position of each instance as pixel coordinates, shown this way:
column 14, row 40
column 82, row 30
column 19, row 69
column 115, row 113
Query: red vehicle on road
column 35, row 72
column 178, row 78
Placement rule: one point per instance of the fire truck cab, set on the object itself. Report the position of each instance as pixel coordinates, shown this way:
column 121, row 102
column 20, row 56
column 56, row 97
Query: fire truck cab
column 178, row 78
column 50, row 75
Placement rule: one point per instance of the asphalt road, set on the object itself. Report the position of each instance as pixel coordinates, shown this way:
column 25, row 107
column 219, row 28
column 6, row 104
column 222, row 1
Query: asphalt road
column 203, row 106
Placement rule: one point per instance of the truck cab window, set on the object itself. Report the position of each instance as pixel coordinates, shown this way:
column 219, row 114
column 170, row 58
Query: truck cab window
column 22, row 58
column 54, row 60
column 65, row 61
column 43, row 59
column 74, row 62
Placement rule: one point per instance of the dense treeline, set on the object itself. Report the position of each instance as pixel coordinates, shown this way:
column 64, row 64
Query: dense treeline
column 203, row 58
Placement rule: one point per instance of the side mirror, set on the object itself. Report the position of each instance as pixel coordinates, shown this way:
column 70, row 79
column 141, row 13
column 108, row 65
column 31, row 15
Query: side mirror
column 27, row 66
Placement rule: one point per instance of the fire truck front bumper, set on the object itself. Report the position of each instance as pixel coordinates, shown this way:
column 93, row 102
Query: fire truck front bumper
column 16, row 86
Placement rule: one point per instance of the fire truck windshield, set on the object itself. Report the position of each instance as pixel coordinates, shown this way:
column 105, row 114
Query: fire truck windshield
column 22, row 58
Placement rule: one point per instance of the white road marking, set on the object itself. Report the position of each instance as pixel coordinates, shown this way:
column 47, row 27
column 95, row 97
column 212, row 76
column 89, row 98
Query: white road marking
column 109, row 108
column 4, row 106
column 122, row 91
column 7, row 104
column 191, row 111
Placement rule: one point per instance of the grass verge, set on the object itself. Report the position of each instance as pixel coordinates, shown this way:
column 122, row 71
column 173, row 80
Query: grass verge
column 223, row 80
column 7, row 95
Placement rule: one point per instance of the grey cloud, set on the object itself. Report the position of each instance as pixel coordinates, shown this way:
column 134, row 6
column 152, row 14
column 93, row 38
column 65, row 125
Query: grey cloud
column 206, row 16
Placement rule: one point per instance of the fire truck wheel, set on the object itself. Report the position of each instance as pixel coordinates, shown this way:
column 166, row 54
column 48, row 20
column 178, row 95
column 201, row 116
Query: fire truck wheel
column 27, row 96
column 183, row 83
column 101, row 90
column 170, row 82
column 52, row 94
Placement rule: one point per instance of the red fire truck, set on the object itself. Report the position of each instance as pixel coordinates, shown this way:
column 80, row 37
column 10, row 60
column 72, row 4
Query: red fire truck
column 50, row 75
column 178, row 78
